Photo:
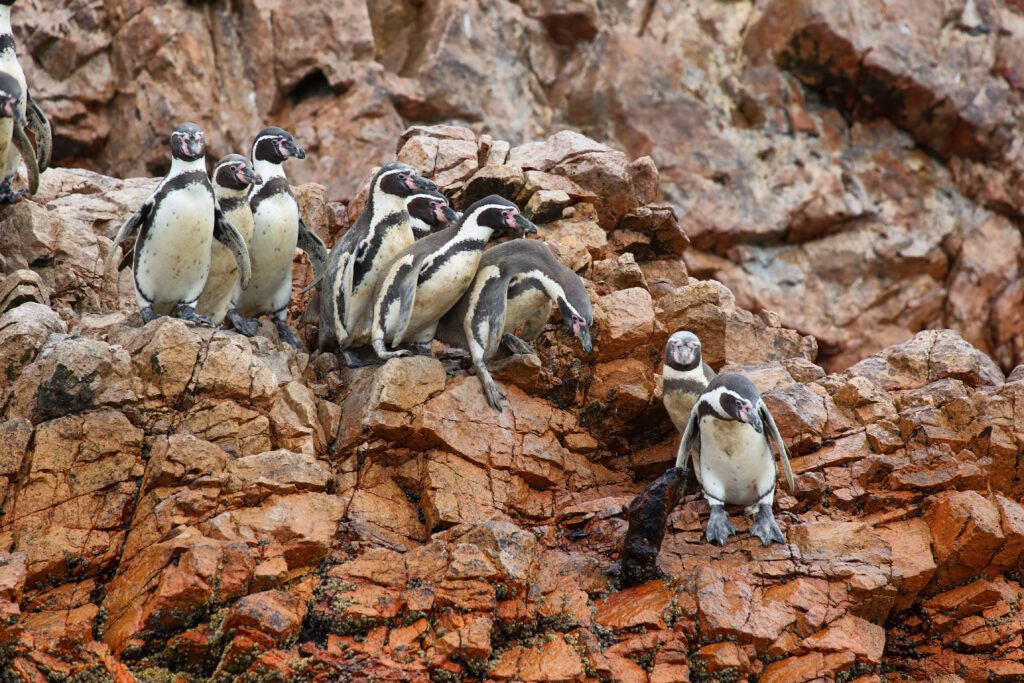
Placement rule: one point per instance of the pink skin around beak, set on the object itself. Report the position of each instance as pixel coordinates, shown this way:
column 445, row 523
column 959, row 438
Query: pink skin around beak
column 439, row 212
column 510, row 219
column 409, row 182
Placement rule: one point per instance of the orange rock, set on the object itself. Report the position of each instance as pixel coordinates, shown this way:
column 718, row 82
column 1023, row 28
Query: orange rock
column 912, row 561
column 641, row 606
column 795, row 669
column 552, row 660
column 967, row 533
column 626, row 670
column 275, row 613
column 720, row 656
column 850, row 634
column 625, row 319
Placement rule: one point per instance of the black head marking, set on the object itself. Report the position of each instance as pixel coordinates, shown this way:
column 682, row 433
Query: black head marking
column 683, row 351
column 737, row 398
column 188, row 142
column 10, row 97
column 401, row 180
column 500, row 215
column 430, row 207
column 7, row 3
column 275, row 145
column 234, row 172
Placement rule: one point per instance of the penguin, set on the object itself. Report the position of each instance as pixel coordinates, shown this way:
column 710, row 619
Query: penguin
column 427, row 278
column 515, row 283
column 428, row 210
column 684, row 376
column 734, row 460
column 177, row 225
column 382, row 230
column 277, row 230
column 232, row 177
column 13, row 142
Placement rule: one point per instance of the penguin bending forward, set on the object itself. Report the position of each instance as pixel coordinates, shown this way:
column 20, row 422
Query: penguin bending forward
column 277, row 230
column 427, row 278
column 15, row 119
column 177, row 225
column 734, row 461
column 684, row 376
column 382, row 230
column 429, row 210
column 232, row 177
column 515, row 283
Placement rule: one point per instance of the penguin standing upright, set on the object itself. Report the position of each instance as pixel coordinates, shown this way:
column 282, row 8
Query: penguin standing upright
column 515, row 284
column 13, row 142
column 277, row 230
column 382, row 230
column 427, row 278
column 734, row 460
column 232, row 177
column 684, row 376
column 177, row 225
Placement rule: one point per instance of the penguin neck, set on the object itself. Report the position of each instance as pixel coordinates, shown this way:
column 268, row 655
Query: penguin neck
column 385, row 204
column 268, row 169
column 179, row 166
column 471, row 230
column 675, row 372
column 5, row 23
column 223, row 193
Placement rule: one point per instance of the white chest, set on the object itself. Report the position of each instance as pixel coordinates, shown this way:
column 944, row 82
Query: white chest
column 522, row 306
column 445, row 286
column 736, row 462
column 275, row 234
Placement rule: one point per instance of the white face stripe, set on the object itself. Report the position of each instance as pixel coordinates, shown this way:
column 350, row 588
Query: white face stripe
column 421, row 195
column 261, row 138
column 480, row 209
column 714, row 400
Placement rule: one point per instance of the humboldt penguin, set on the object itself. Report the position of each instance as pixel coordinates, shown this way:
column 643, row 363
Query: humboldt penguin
column 684, row 376
column 13, row 142
column 427, row 278
column 232, row 177
column 277, row 230
column 734, row 459
column 177, row 225
column 382, row 230
column 429, row 210
column 515, row 284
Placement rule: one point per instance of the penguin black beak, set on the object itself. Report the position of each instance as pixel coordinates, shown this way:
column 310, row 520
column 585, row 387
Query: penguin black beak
column 421, row 183
column 524, row 224
column 294, row 150
column 249, row 176
column 583, row 334
column 750, row 416
column 450, row 214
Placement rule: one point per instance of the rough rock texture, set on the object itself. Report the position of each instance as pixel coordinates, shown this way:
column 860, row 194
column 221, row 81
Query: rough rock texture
column 855, row 167
column 185, row 504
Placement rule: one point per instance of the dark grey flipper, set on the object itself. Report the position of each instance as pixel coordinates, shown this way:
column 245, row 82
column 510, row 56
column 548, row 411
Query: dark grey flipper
column 27, row 153
column 40, row 127
column 133, row 223
column 516, row 345
column 690, row 436
column 244, row 326
column 316, row 250
column 126, row 260
column 765, row 528
column 719, row 527
column 773, row 429
column 228, row 235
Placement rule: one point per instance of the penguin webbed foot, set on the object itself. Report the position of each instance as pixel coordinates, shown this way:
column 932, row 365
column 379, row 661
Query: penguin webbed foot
column 353, row 360
column 384, row 354
column 719, row 527
column 421, row 349
column 494, row 394
column 286, row 334
column 242, row 325
column 765, row 527
column 9, row 195
column 189, row 313
column 516, row 345
column 148, row 315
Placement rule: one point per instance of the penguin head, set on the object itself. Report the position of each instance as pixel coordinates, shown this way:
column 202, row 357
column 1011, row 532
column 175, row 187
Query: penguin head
column 737, row 398
column 10, row 97
column 428, row 210
column 234, row 172
column 501, row 216
column 578, row 321
column 188, row 142
column 683, row 351
column 275, row 145
column 401, row 180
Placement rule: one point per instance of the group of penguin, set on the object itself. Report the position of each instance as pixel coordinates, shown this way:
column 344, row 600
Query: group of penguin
column 410, row 269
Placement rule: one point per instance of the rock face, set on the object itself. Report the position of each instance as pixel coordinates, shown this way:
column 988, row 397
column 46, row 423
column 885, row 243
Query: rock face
column 184, row 504
column 847, row 168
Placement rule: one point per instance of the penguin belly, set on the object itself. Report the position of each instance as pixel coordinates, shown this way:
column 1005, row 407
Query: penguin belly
column 271, row 252
column 441, row 291
column 174, row 259
column 524, row 306
column 736, row 463
column 223, row 278
column 360, row 304
column 679, row 404
column 9, row 154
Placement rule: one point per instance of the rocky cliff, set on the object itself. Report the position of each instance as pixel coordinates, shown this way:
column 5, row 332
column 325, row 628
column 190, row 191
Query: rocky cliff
column 184, row 504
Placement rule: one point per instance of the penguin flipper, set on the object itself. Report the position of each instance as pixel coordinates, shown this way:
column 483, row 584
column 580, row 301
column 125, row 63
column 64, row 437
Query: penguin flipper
column 766, row 418
column 311, row 316
column 133, row 223
column 494, row 298
column 689, row 436
column 228, row 235
column 40, row 127
column 20, row 141
column 407, row 280
column 316, row 250
column 126, row 260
